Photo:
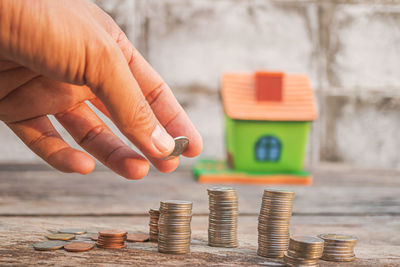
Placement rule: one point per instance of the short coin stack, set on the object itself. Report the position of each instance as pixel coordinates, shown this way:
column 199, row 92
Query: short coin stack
column 338, row 247
column 222, row 222
column 112, row 239
column 304, row 251
column 174, row 226
column 273, row 223
column 154, row 217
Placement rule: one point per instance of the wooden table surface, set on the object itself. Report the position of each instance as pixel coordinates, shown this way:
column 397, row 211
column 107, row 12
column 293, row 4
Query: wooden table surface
column 342, row 200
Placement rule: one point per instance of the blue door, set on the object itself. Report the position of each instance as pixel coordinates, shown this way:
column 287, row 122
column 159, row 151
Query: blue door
column 268, row 148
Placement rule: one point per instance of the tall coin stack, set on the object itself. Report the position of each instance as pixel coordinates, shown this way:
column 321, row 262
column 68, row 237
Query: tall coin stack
column 174, row 226
column 153, row 231
column 338, row 247
column 113, row 239
column 222, row 222
column 304, row 251
column 273, row 223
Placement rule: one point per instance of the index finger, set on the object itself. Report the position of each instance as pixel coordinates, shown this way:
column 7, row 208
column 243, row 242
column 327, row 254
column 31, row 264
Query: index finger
column 164, row 104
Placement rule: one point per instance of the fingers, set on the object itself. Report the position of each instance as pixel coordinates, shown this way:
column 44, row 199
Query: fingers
column 90, row 132
column 175, row 120
column 161, row 99
column 11, row 79
column 41, row 96
column 100, row 106
column 161, row 164
column 43, row 139
column 8, row 65
column 110, row 79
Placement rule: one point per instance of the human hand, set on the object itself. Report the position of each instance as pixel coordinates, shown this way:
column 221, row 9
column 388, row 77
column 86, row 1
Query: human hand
column 54, row 55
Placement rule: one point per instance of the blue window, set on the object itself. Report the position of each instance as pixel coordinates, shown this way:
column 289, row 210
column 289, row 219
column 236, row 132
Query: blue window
column 268, row 148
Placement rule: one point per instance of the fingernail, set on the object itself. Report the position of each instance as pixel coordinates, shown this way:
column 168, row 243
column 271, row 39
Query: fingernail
column 162, row 140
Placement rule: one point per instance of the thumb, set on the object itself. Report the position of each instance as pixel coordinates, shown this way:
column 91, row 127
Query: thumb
column 108, row 75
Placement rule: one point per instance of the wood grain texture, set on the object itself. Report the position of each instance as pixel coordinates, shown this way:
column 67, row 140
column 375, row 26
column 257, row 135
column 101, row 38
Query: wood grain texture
column 380, row 248
column 342, row 200
column 348, row 192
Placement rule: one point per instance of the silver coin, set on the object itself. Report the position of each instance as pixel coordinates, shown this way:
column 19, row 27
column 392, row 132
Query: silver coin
column 49, row 245
column 181, row 144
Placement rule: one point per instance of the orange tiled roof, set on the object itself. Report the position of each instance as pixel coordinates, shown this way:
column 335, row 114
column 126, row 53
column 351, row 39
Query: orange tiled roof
column 238, row 96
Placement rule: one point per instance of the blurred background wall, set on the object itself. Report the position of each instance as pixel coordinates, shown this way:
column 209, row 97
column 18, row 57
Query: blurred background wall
column 350, row 50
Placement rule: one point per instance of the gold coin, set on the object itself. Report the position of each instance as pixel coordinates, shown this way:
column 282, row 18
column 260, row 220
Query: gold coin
column 72, row 231
column 64, row 237
column 338, row 237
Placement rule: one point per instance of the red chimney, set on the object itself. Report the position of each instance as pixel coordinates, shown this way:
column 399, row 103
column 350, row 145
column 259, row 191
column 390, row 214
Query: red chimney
column 269, row 86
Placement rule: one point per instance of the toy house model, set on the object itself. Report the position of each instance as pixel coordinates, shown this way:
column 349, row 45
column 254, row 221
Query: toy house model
column 268, row 117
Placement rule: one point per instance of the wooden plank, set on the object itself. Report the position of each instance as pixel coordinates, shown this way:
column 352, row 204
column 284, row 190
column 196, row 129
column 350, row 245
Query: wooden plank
column 335, row 191
column 378, row 246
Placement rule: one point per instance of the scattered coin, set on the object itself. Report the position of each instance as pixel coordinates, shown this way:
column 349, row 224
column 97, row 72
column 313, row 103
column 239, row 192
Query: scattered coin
column 137, row 237
column 174, row 226
column 78, row 246
column 153, row 224
column 273, row 223
column 49, row 245
column 64, row 237
column 338, row 247
column 223, row 218
column 72, row 231
column 181, row 144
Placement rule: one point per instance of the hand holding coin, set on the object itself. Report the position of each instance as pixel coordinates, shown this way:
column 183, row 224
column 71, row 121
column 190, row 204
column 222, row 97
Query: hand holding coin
column 91, row 61
column 181, row 144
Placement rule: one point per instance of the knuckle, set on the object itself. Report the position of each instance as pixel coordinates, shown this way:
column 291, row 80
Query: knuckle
column 155, row 93
column 111, row 153
column 103, row 46
column 4, row 115
column 34, row 142
column 126, row 47
column 100, row 55
column 132, row 54
column 92, row 134
column 141, row 118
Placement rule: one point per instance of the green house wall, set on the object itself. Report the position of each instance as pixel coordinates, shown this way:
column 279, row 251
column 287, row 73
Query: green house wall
column 242, row 136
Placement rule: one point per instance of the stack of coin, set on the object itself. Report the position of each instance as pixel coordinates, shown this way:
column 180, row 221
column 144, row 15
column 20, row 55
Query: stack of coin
column 304, row 251
column 222, row 221
column 174, row 226
column 338, row 247
column 154, row 216
column 113, row 239
column 273, row 223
